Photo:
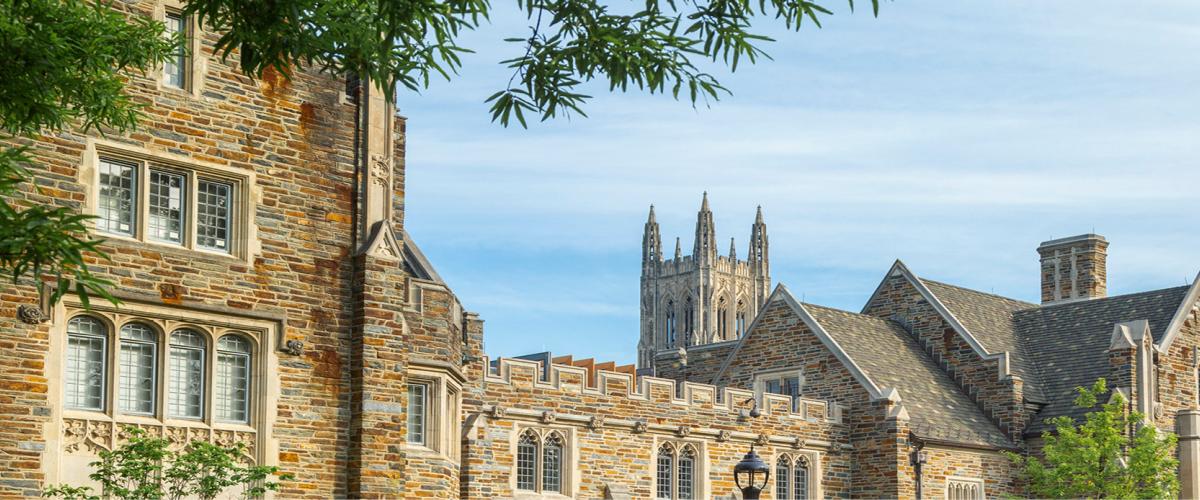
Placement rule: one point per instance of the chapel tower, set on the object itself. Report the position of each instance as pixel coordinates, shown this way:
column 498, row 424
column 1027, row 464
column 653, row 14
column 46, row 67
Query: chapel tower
column 702, row 298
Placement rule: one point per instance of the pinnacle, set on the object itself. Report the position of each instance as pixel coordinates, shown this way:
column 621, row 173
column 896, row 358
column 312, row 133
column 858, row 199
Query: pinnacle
column 704, row 203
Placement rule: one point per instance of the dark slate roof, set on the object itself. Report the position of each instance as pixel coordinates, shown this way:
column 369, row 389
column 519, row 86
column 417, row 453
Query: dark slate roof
column 989, row 318
column 890, row 357
column 1069, row 342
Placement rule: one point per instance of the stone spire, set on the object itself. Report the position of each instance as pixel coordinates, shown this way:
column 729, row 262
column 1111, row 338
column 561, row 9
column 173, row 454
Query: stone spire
column 732, row 249
column 760, row 261
column 705, row 250
column 678, row 250
column 651, row 244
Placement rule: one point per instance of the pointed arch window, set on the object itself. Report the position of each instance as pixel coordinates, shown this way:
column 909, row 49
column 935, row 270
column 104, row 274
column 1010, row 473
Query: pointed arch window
column 676, row 475
column 740, row 327
column 722, row 319
column 669, row 324
column 964, row 489
column 689, row 317
column 793, row 477
column 542, row 461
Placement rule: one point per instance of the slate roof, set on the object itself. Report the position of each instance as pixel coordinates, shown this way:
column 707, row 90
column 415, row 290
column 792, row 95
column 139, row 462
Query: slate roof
column 1069, row 342
column 990, row 319
column 890, row 357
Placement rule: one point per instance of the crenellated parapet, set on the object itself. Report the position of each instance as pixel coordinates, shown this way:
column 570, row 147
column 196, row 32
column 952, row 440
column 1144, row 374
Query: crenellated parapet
column 574, row 380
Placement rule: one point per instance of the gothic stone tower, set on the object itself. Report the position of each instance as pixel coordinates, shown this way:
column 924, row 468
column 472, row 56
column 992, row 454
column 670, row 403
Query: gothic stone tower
column 701, row 298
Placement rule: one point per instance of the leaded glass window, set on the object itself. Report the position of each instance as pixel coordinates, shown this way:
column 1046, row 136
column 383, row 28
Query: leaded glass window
column 552, row 463
column 418, row 412
column 801, row 479
column 783, row 475
column 233, row 379
column 665, row 473
column 687, row 474
column 527, row 451
column 167, row 202
column 213, row 201
column 115, row 207
column 138, row 362
column 87, row 339
column 185, row 388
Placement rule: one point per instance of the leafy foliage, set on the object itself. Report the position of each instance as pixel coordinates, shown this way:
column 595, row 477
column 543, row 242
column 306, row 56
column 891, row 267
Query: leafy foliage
column 1102, row 458
column 658, row 48
column 63, row 66
column 146, row 468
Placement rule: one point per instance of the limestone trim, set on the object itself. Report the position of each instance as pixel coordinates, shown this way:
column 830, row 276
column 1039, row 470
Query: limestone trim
column 898, row 268
column 639, row 389
column 1189, row 306
column 197, row 65
column 73, row 437
column 570, row 460
column 811, row 458
column 243, row 239
column 964, row 488
column 443, row 417
column 666, row 430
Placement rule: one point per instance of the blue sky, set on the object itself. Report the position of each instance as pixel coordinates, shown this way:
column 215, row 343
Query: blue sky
column 955, row 136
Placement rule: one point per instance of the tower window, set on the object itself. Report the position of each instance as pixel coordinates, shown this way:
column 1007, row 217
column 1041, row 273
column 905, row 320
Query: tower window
column 669, row 324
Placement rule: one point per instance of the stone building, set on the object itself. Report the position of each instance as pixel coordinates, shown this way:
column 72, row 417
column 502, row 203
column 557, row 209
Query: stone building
column 272, row 297
column 703, row 298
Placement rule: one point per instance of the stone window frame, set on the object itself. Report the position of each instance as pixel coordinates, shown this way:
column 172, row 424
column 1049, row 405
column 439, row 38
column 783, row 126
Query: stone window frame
column 197, row 65
column 243, row 241
column 964, row 484
column 761, row 378
column 74, row 432
column 814, row 470
column 443, row 407
column 701, row 472
column 570, row 464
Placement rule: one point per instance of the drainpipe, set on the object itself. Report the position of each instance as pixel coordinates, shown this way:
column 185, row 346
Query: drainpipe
column 918, row 460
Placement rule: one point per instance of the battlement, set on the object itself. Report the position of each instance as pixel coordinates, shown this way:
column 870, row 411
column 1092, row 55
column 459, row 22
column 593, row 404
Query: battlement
column 570, row 379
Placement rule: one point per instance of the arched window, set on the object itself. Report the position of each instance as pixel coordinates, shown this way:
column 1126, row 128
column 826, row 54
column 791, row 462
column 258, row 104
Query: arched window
column 687, row 474
column 137, row 364
column 689, row 315
column 783, row 474
column 185, row 370
column 722, row 320
column 527, row 452
column 552, row 463
column 670, row 324
column 800, row 483
column 740, row 329
column 665, row 472
column 87, row 352
column 232, row 379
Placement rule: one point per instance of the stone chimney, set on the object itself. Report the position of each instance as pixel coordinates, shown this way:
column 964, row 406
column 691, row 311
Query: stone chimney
column 1074, row 268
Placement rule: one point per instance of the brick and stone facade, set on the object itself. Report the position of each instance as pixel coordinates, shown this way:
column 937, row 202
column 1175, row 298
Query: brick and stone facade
column 367, row 378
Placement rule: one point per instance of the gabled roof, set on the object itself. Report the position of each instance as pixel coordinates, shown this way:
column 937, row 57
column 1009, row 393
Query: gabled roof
column 990, row 319
column 1069, row 342
column 892, row 358
column 886, row 360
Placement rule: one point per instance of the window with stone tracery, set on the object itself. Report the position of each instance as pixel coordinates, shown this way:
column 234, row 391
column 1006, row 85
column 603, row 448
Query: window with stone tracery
column 677, row 474
column 964, row 489
column 794, row 477
column 542, row 464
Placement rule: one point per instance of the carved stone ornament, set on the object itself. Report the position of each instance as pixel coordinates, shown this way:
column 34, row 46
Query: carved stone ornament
column 639, row 427
column 381, row 165
column 798, row 443
column 724, row 435
column 763, row 439
column 596, row 422
column 498, row 412
column 293, row 347
column 548, row 417
column 31, row 315
column 683, row 431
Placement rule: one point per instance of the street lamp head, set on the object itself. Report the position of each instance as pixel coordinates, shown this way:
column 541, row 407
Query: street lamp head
column 751, row 475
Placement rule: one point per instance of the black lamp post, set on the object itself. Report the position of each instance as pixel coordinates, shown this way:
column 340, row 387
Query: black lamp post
column 748, row 471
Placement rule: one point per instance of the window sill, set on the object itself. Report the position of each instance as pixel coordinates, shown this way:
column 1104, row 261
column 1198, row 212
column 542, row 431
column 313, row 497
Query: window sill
column 533, row 495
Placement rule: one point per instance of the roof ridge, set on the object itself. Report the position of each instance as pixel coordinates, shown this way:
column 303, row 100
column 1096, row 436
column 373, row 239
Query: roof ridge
column 972, row 290
column 1108, row 297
